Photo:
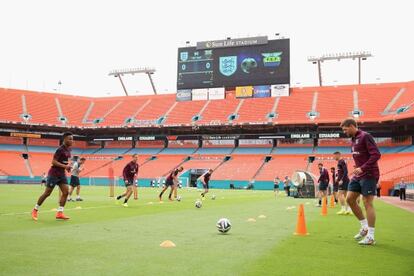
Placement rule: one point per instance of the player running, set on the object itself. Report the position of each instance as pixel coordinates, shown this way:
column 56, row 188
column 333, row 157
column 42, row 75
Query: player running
column 276, row 185
column 205, row 179
column 323, row 182
column 343, row 180
column 57, row 176
column 77, row 167
column 366, row 174
column 129, row 173
column 171, row 181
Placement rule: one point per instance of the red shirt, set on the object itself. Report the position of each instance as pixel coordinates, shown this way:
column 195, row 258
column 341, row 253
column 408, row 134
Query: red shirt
column 130, row 170
column 366, row 155
column 324, row 177
column 62, row 155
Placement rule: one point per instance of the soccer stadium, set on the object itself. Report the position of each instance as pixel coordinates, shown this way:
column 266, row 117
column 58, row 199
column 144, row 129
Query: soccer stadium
column 236, row 168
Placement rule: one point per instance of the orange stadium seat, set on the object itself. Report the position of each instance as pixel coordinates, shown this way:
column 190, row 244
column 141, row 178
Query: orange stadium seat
column 239, row 167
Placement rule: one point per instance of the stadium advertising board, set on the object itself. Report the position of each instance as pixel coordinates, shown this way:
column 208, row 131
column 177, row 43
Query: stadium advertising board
column 234, row 64
column 216, row 93
column 183, row 95
column 280, row 90
column 244, row 91
column 261, row 91
column 200, row 94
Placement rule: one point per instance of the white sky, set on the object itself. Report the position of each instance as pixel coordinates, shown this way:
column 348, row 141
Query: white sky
column 79, row 42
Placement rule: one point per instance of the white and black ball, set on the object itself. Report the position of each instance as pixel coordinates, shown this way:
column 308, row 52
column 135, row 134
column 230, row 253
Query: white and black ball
column 198, row 204
column 223, row 225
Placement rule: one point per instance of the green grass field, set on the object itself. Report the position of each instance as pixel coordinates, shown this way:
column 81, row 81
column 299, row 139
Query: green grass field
column 102, row 238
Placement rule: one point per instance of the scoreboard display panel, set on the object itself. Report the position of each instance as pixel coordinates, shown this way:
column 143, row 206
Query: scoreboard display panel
column 263, row 64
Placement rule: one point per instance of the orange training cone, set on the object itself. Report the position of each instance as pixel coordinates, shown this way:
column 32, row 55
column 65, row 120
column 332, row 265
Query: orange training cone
column 332, row 203
column 301, row 224
column 324, row 206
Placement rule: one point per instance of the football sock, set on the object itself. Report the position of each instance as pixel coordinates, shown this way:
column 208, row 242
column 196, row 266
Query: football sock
column 320, row 201
column 371, row 231
column 119, row 197
column 60, row 209
column 126, row 200
column 364, row 223
column 37, row 206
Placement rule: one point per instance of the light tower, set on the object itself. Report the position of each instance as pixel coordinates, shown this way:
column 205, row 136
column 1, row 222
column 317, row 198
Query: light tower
column 132, row 71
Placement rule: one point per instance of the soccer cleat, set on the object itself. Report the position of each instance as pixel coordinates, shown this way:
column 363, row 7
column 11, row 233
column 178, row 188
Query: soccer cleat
column 362, row 233
column 348, row 213
column 367, row 241
column 125, row 204
column 79, row 199
column 34, row 214
column 61, row 215
column 342, row 212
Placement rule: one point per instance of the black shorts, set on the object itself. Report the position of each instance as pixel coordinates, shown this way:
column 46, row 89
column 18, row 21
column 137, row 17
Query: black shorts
column 128, row 182
column 74, row 181
column 43, row 181
column 276, row 187
column 344, row 186
column 364, row 186
column 335, row 187
column 205, row 186
column 169, row 182
column 323, row 186
column 52, row 181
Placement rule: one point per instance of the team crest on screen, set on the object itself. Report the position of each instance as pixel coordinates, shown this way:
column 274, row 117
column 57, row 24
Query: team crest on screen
column 228, row 65
column 184, row 56
column 272, row 59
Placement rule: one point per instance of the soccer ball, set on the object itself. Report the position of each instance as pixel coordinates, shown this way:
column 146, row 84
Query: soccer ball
column 248, row 64
column 198, row 204
column 223, row 225
column 213, row 197
column 178, row 198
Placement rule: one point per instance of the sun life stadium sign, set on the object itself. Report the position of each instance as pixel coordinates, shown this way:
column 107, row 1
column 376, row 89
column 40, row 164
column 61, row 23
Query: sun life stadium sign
column 248, row 41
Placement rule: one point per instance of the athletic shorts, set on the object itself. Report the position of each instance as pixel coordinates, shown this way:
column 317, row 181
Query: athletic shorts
column 276, row 187
column 205, row 185
column 43, row 181
column 323, row 186
column 364, row 186
column 128, row 182
column 344, row 186
column 52, row 181
column 74, row 181
column 335, row 187
column 169, row 182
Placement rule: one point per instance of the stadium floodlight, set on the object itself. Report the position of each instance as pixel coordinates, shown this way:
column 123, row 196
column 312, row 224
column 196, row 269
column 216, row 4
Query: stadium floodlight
column 132, row 71
column 361, row 55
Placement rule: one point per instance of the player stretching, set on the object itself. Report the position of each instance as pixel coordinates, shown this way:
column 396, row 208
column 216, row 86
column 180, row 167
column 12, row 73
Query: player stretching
column 129, row 173
column 171, row 181
column 343, row 180
column 57, row 176
column 205, row 179
column 77, row 167
column 323, row 182
column 366, row 174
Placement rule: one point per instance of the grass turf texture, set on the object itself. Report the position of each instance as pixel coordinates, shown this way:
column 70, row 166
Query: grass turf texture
column 105, row 239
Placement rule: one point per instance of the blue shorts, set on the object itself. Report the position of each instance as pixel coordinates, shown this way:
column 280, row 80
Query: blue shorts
column 364, row 186
column 323, row 186
column 52, row 181
column 128, row 182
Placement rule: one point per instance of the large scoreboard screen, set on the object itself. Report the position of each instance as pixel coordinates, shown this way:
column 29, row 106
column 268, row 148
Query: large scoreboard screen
column 263, row 64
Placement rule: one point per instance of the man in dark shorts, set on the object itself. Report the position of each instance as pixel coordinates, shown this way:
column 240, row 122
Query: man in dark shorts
column 57, row 176
column 172, row 181
column 205, row 179
column 129, row 174
column 77, row 167
column 334, row 184
column 44, row 178
column 343, row 180
column 323, row 182
column 276, row 186
column 366, row 174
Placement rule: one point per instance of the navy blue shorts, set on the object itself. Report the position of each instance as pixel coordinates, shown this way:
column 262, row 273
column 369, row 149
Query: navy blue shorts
column 128, row 182
column 364, row 186
column 52, row 181
column 74, row 181
column 169, row 182
column 344, row 186
column 323, row 186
